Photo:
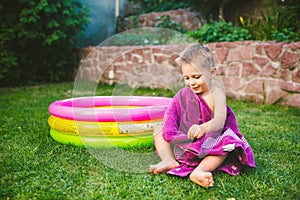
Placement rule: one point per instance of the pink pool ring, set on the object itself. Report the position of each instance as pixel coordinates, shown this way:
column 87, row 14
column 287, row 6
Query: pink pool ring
column 110, row 108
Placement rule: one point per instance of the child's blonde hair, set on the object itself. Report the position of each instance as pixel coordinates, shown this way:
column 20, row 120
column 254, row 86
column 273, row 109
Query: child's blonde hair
column 197, row 55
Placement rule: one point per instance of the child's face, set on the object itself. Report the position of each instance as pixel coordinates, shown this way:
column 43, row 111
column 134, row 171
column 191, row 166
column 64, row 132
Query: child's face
column 195, row 78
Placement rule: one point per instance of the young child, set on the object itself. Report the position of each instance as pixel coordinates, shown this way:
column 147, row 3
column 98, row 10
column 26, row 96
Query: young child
column 200, row 133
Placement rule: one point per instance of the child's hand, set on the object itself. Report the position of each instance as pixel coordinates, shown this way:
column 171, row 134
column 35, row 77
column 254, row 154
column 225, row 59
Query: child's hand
column 195, row 132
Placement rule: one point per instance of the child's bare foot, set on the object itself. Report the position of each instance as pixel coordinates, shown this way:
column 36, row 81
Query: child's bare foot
column 163, row 166
column 203, row 179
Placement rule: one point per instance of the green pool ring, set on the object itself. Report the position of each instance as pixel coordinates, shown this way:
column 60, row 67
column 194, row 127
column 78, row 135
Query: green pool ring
column 102, row 141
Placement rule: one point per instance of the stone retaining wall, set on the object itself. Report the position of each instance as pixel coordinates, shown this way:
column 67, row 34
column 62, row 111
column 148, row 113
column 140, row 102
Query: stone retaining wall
column 264, row 72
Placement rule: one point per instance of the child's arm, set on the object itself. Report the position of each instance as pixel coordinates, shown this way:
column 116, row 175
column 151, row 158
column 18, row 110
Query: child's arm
column 218, row 120
column 171, row 131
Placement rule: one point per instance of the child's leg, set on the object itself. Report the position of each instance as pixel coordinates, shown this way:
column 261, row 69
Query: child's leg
column 164, row 151
column 202, row 173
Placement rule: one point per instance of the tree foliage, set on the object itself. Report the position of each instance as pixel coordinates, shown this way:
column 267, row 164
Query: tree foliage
column 38, row 39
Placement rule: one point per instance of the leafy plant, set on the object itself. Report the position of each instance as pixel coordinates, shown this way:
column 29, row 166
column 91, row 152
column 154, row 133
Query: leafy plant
column 38, row 40
column 285, row 35
column 134, row 21
column 219, row 32
column 273, row 25
column 168, row 23
column 290, row 12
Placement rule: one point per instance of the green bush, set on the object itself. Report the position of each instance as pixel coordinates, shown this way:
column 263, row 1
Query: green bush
column 219, row 32
column 274, row 25
column 286, row 35
column 38, row 40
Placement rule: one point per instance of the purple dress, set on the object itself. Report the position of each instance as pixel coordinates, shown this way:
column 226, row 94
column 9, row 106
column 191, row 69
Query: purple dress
column 188, row 108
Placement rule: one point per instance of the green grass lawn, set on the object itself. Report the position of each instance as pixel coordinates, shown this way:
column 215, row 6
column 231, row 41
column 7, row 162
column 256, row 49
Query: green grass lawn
column 34, row 166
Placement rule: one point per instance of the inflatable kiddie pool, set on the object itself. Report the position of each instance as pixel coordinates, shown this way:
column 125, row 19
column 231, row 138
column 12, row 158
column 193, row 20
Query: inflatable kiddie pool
column 106, row 121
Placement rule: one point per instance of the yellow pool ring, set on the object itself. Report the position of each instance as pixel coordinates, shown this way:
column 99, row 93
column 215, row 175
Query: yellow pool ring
column 102, row 141
column 107, row 121
column 102, row 128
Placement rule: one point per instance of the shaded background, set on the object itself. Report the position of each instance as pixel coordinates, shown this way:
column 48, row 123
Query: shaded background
column 102, row 20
